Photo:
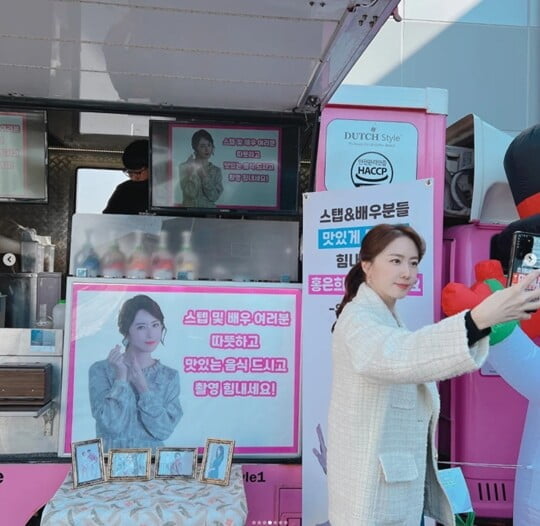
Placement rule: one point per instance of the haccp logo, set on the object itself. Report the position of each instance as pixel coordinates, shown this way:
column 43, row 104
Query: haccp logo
column 371, row 168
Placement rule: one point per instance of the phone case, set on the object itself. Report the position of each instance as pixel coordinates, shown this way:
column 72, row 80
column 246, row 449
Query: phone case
column 524, row 256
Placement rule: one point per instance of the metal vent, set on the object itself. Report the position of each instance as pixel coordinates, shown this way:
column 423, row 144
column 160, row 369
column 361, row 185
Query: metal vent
column 492, row 491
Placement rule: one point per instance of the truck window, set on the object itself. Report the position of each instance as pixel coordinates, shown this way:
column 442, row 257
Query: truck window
column 94, row 187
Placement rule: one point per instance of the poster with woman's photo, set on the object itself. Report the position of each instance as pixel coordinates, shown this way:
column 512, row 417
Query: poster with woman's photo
column 149, row 364
column 206, row 166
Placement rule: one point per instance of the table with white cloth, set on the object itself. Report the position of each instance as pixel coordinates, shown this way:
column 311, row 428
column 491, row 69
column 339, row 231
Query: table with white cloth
column 163, row 502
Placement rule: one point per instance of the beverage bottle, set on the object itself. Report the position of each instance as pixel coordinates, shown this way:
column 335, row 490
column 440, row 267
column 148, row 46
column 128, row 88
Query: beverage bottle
column 48, row 249
column 187, row 263
column 113, row 263
column 138, row 264
column 87, row 264
column 162, row 260
column 59, row 315
column 43, row 321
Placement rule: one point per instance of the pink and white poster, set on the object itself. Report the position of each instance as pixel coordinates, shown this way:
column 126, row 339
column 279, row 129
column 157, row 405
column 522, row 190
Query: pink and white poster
column 216, row 360
column 335, row 223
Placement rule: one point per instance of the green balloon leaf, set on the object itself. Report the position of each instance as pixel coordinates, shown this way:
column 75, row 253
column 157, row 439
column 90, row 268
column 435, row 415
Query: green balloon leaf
column 500, row 331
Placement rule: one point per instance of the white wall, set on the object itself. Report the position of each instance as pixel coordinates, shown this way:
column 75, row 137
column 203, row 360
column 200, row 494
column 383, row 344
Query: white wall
column 486, row 53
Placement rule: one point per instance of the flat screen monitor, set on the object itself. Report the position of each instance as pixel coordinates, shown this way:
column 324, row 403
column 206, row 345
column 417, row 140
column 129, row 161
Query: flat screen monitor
column 224, row 167
column 23, row 156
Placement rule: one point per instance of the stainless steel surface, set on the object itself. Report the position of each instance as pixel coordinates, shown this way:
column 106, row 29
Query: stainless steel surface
column 36, row 430
column 21, row 292
column 54, row 218
column 25, row 292
column 3, row 298
column 35, row 412
column 239, row 54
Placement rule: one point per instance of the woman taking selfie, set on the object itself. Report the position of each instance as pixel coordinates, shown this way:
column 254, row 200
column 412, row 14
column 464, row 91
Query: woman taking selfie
column 385, row 405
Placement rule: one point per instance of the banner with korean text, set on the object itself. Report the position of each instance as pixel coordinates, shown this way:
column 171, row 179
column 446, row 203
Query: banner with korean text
column 219, row 360
column 335, row 223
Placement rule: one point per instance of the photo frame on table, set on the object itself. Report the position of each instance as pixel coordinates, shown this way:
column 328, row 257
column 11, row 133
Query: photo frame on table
column 175, row 462
column 87, row 462
column 130, row 464
column 217, row 461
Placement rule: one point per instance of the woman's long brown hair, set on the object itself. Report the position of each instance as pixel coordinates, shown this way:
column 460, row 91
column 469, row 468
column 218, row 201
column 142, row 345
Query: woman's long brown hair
column 375, row 241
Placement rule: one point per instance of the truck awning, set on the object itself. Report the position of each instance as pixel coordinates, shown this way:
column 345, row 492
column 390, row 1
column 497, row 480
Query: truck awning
column 266, row 55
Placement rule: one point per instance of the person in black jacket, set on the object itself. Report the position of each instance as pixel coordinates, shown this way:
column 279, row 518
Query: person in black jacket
column 131, row 197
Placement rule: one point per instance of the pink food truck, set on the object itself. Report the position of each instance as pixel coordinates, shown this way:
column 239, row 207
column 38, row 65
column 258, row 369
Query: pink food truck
column 255, row 174
column 81, row 81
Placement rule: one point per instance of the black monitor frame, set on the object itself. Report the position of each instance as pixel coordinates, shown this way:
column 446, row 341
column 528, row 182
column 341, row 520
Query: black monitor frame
column 165, row 163
column 23, row 156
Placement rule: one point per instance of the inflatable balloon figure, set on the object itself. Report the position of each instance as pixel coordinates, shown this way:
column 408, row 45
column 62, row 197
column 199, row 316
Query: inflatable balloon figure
column 513, row 353
column 522, row 167
column 516, row 358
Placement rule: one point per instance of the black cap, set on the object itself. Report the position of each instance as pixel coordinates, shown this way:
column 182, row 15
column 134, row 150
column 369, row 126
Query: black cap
column 522, row 165
column 135, row 155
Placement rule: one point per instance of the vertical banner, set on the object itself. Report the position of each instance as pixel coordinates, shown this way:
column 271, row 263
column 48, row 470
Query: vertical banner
column 335, row 223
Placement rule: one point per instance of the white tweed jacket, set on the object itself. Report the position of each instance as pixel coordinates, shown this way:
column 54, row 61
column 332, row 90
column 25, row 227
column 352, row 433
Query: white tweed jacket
column 383, row 413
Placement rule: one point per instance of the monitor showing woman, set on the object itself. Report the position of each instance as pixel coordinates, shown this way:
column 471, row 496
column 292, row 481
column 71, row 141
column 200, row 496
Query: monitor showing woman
column 133, row 397
column 200, row 181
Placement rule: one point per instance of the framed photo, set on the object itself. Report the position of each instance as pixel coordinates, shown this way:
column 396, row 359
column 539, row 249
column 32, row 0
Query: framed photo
column 217, row 461
column 87, row 462
column 175, row 462
column 130, row 464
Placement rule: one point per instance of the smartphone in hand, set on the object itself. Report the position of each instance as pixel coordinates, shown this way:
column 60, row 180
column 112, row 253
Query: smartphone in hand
column 524, row 258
